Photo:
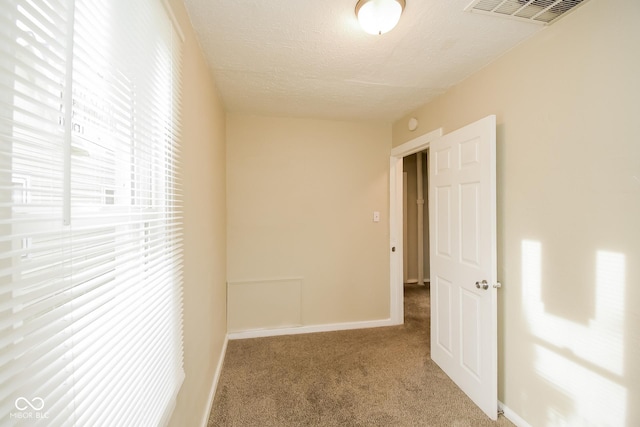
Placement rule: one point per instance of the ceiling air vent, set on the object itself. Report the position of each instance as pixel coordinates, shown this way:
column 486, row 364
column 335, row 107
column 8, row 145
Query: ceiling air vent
column 539, row 11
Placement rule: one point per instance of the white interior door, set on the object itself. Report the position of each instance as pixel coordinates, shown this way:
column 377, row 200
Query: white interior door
column 462, row 208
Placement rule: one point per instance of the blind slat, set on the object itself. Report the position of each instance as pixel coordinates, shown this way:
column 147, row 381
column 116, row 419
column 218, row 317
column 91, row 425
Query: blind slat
column 90, row 312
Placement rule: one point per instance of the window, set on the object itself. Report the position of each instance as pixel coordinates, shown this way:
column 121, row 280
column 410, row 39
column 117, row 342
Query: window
column 90, row 221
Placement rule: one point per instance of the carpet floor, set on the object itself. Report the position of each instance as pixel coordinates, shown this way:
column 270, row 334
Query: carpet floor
column 366, row 377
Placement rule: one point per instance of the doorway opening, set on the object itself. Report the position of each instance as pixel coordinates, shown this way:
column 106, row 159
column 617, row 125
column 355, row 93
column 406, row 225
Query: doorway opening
column 415, row 235
column 415, row 219
column 402, row 267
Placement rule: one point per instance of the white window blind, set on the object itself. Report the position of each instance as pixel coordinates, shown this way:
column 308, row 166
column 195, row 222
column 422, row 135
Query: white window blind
column 90, row 221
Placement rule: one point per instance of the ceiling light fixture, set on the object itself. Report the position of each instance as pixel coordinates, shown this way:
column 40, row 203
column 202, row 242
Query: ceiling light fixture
column 379, row 16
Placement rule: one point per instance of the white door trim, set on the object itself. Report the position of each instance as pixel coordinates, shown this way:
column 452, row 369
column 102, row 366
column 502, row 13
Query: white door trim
column 396, row 257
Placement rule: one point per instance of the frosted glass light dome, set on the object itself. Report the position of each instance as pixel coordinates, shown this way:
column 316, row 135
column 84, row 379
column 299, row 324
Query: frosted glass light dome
column 379, row 16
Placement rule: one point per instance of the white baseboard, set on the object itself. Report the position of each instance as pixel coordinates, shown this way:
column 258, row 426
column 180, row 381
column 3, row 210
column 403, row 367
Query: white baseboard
column 416, row 281
column 259, row 333
column 214, row 384
column 512, row 416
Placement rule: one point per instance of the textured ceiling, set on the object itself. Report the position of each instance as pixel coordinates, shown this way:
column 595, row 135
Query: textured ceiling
column 309, row 58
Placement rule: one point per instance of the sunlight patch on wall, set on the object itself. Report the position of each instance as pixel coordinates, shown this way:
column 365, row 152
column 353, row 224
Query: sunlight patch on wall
column 608, row 327
column 595, row 400
column 588, row 361
column 601, row 341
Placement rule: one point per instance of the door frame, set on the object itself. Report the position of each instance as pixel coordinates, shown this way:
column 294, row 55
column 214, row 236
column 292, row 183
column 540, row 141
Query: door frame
column 396, row 257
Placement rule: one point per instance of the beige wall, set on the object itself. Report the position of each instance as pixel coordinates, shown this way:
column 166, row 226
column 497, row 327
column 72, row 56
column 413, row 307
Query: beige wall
column 203, row 181
column 568, row 109
column 301, row 196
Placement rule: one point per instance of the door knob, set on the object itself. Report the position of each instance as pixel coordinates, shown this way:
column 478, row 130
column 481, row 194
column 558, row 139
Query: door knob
column 484, row 285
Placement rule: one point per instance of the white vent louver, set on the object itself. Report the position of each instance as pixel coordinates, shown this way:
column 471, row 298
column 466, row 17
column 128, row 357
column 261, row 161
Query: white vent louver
column 539, row 11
